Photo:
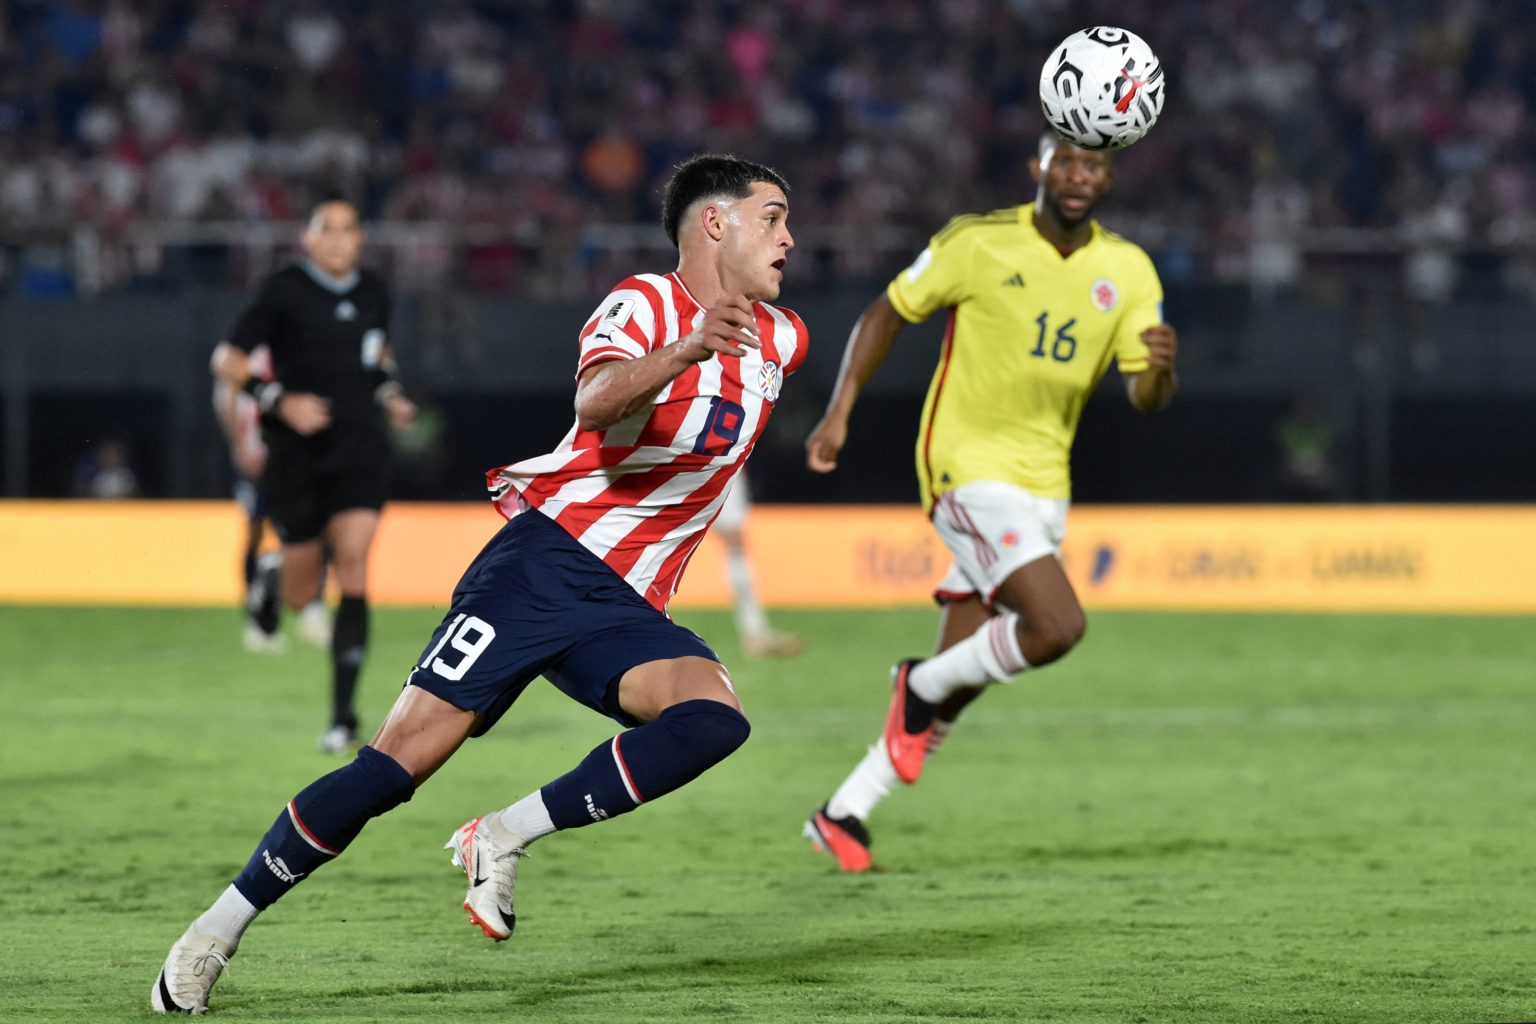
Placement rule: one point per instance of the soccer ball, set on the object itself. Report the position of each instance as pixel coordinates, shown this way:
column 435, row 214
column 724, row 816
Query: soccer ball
column 1102, row 88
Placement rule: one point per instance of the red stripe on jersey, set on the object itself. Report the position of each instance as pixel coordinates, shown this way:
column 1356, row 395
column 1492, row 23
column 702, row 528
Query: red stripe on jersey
column 767, row 327
column 668, row 419
column 656, row 528
column 627, row 490
column 586, row 460
column 938, row 391
column 671, row 571
column 606, row 354
column 802, row 341
column 635, row 333
column 683, row 299
column 658, row 336
column 628, row 552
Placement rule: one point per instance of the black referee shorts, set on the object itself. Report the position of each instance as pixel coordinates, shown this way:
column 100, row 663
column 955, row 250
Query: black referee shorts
column 305, row 484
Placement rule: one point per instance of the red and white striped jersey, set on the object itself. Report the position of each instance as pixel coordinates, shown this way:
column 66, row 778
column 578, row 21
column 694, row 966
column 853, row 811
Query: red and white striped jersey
column 247, row 412
column 641, row 493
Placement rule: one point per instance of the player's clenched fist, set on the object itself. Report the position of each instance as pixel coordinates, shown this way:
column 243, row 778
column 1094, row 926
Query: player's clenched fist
column 729, row 328
column 1162, row 345
column 826, row 442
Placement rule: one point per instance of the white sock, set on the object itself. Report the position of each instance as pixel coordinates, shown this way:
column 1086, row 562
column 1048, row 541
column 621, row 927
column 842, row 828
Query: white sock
column 989, row 655
column 528, row 819
column 228, row 918
column 869, row 783
column 751, row 620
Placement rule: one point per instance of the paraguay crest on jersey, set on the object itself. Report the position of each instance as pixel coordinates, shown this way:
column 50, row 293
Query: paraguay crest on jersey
column 769, row 379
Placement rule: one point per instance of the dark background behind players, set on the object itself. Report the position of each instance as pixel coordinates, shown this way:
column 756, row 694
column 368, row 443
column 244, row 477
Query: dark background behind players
column 1340, row 200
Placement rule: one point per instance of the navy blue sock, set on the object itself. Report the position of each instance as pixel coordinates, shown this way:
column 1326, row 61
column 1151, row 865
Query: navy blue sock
column 349, row 646
column 647, row 762
column 320, row 822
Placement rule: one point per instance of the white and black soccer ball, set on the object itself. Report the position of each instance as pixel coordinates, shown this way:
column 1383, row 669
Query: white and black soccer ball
column 1102, row 88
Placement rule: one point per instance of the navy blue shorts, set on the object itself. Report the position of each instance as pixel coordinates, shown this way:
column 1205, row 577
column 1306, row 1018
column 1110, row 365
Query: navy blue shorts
column 535, row 602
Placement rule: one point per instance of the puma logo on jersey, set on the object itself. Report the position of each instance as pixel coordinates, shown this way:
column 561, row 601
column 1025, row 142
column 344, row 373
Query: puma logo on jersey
column 1016, row 281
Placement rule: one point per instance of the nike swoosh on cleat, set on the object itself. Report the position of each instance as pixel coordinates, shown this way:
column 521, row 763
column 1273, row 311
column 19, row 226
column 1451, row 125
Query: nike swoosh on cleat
column 477, row 883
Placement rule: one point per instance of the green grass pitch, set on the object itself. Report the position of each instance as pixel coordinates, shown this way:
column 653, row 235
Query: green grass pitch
column 1193, row 819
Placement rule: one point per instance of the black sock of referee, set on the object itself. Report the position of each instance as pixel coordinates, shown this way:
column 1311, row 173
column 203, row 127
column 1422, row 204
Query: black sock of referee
column 349, row 646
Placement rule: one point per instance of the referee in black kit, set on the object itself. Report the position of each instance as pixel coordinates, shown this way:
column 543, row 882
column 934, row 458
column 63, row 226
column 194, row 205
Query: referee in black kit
column 326, row 323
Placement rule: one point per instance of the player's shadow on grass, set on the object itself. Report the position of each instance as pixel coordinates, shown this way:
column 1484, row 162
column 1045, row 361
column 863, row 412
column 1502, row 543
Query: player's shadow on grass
column 824, row 960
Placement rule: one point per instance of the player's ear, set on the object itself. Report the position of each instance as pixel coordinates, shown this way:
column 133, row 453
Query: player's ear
column 1035, row 169
column 712, row 218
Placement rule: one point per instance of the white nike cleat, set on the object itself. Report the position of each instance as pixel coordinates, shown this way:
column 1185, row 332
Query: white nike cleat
column 194, row 964
column 772, row 644
column 338, row 739
column 315, row 624
column 258, row 641
column 491, row 864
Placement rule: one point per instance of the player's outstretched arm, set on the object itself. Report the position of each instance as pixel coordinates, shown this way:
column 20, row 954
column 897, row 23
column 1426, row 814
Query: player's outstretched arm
column 1152, row 389
column 610, row 392
column 868, row 345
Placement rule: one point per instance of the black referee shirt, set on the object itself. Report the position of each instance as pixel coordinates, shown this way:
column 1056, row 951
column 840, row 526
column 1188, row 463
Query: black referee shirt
column 327, row 338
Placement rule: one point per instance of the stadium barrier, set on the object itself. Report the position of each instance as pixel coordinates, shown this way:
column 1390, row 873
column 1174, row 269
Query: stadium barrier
column 1469, row 559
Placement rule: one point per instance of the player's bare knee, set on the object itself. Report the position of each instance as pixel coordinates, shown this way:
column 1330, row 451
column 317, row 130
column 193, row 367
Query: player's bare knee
column 1049, row 639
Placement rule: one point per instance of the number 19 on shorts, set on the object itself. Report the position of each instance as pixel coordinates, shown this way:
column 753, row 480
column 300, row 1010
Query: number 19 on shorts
column 466, row 634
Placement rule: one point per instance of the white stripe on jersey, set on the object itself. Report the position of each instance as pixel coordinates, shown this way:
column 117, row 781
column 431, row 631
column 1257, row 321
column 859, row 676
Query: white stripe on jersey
column 620, row 521
column 649, row 565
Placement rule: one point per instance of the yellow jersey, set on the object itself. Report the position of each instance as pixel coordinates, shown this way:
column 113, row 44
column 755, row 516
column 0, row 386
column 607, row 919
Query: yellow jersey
column 1030, row 335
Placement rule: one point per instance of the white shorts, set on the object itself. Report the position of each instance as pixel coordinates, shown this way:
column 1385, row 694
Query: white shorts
column 738, row 501
column 992, row 528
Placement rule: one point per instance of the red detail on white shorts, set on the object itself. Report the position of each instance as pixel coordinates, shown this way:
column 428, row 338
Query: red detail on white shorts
column 985, row 554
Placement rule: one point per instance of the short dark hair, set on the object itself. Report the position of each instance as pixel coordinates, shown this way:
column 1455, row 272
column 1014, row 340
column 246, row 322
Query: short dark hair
column 709, row 176
column 329, row 196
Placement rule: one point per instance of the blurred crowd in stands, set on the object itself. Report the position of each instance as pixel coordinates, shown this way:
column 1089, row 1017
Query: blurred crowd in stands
column 532, row 121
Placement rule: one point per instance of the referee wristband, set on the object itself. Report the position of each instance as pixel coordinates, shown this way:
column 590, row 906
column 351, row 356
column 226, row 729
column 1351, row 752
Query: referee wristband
column 266, row 392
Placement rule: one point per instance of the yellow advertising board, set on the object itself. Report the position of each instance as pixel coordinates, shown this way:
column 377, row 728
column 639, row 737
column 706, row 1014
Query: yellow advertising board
column 1472, row 559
